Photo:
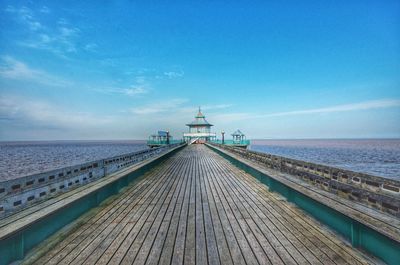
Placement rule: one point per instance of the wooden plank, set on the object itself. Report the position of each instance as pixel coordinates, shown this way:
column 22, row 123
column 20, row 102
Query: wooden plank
column 224, row 251
column 160, row 224
column 211, row 243
column 164, row 242
column 179, row 243
column 81, row 249
column 295, row 252
column 129, row 246
column 104, row 214
column 247, row 240
column 201, row 248
column 334, row 252
column 190, row 242
column 239, row 248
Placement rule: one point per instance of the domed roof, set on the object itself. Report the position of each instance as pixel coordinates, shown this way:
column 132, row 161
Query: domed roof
column 237, row 133
column 200, row 120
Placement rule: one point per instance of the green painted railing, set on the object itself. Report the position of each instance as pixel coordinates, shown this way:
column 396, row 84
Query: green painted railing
column 358, row 234
column 232, row 142
column 163, row 142
column 16, row 245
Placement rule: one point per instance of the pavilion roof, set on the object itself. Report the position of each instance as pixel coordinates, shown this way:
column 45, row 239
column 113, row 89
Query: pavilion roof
column 237, row 133
column 200, row 120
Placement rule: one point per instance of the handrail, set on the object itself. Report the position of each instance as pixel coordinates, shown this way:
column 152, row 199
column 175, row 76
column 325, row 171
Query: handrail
column 380, row 193
column 19, row 193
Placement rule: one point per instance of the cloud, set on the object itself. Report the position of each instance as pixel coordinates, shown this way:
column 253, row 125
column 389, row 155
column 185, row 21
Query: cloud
column 43, row 113
column 91, row 47
column 11, row 68
column 171, row 106
column 140, row 87
column 214, row 107
column 60, row 41
column 25, row 16
column 172, row 74
column 45, row 10
column 59, row 38
column 175, row 106
column 134, row 91
column 366, row 105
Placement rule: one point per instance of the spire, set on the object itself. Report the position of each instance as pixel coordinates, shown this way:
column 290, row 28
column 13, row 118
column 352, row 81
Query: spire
column 199, row 114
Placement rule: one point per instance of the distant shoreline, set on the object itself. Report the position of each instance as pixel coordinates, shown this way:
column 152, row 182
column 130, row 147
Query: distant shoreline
column 144, row 140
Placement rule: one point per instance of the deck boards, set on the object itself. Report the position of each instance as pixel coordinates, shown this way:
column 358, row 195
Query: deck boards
column 197, row 208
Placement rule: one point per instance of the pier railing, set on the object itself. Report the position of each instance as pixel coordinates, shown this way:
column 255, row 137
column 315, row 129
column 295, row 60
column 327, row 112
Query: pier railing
column 376, row 192
column 163, row 142
column 19, row 193
column 232, row 142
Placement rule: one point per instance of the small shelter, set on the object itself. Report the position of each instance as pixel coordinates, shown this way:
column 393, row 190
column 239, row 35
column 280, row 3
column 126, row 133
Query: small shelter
column 160, row 138
column 238, row 136
column 199, row 130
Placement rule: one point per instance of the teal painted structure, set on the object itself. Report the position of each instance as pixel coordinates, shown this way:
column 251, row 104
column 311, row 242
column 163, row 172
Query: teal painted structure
column 18, row 244
column 232, row 142
column 162, row 142
column 358, row 234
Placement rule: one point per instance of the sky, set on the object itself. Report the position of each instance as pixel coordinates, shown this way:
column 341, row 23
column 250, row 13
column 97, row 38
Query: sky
column 83, row 70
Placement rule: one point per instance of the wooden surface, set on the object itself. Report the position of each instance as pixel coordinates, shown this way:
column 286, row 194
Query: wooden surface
column 197, row 208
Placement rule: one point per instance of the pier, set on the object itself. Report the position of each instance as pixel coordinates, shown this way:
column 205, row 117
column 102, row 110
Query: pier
column 199, row 204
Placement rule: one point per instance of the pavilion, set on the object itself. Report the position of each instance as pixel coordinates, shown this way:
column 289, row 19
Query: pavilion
column 199, row 130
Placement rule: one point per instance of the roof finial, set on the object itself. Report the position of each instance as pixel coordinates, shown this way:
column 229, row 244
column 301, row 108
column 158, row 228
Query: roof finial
column 199, row 109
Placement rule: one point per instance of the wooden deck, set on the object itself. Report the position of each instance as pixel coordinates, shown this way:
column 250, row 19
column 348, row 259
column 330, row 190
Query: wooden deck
column 197, row 208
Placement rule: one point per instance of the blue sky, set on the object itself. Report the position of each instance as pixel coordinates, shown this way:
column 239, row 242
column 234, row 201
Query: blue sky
column 123, row 69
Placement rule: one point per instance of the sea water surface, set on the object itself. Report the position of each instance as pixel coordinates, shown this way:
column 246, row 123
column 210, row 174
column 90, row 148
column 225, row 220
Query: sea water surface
column 379, row 157
column 18, row 159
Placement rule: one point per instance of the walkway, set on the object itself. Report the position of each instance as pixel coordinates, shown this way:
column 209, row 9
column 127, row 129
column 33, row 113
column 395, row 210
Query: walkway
column 197, row 208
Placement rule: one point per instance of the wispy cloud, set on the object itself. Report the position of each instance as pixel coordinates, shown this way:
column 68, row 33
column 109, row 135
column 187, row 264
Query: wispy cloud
column 11, row 68
column 22, row 109
column 60, row 41
column 171, row 106
column 130, row 91
column 140, row 87
column 25, row 16
column 173, row 74
column 59, row 38
column 91, row 47
column 45, row 10
column 366, row 105
column 177, row 106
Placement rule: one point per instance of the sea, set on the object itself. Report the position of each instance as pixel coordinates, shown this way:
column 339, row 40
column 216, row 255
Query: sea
column 18, row 159
column 380, row 157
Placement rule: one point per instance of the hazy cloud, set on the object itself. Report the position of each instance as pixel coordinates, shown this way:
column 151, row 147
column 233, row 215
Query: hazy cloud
column 366, row 105
column 60, row 38
column 45, row 9
column 25, row 16
column 44, row 113
column 11, row 68
column 140, row 87
column 172, row 74
column 170, row 106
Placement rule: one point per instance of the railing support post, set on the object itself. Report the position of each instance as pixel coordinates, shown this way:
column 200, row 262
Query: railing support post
column 355, row 234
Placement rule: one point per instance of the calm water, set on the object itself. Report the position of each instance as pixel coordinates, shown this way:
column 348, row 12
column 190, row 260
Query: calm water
column 19, row 159
column 376, row 157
